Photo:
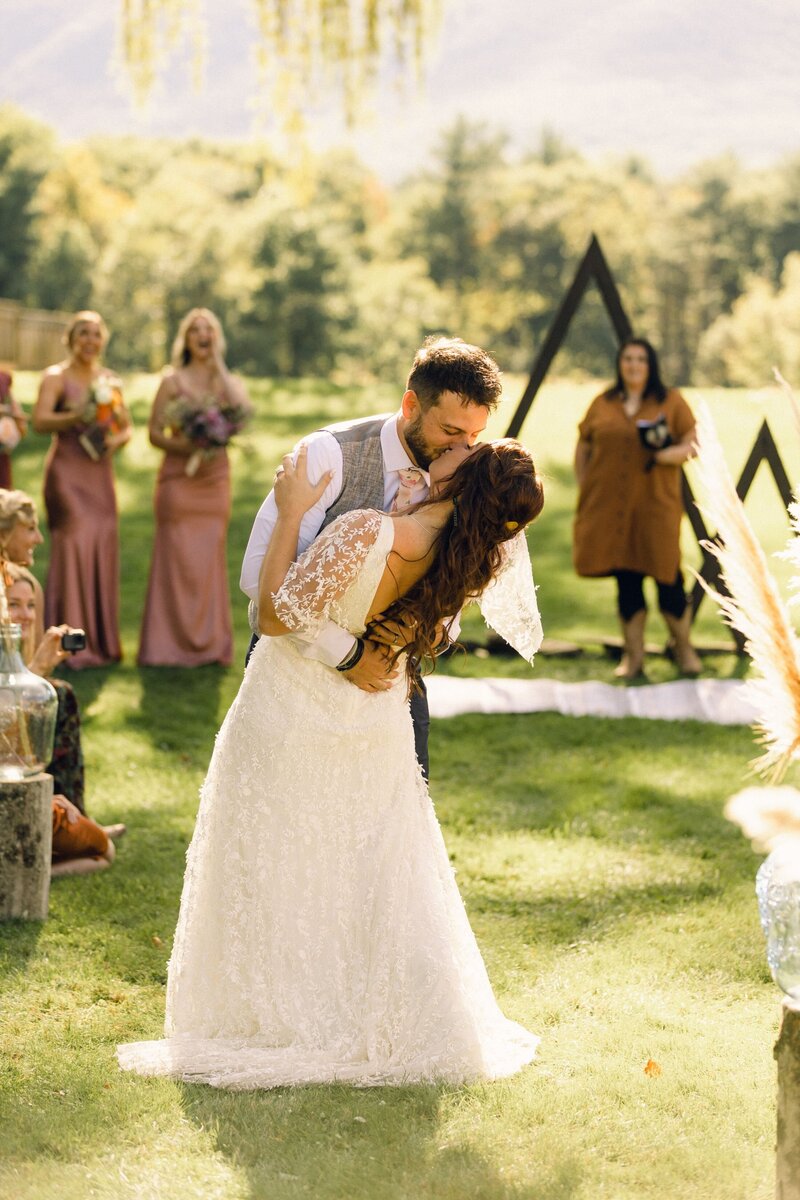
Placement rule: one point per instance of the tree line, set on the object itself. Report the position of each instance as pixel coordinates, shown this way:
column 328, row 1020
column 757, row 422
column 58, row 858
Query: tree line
column 323, row 269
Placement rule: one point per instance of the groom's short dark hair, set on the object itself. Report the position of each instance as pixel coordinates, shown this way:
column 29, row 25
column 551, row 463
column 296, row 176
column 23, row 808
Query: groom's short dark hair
column 450, row 365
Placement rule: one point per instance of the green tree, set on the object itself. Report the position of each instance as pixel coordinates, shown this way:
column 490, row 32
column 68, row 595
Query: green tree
column 761, row 332
column 455, row 213
column 170, row 251
column 60, row 271
column 299, row 309
column 26, row 152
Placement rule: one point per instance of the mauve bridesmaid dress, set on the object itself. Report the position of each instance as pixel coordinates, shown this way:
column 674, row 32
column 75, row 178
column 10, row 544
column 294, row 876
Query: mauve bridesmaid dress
column 187, row 616
column 82, row 587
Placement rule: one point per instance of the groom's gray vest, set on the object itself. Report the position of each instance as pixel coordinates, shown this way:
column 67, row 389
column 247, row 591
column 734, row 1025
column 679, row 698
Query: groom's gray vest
column 362, row 474
column 362, row 466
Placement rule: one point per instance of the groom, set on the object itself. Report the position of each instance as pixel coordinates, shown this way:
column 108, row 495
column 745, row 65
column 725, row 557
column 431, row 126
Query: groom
column 382, row 462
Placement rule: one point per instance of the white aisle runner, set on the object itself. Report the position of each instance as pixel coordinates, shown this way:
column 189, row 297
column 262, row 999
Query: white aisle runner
column 717, row 701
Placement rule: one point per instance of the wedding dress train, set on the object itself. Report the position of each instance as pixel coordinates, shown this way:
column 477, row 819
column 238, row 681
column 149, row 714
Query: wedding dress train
column 321, row 935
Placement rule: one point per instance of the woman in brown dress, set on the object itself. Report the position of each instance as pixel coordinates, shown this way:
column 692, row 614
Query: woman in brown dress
column 82, row 588
column 629, row 504
column 187, row 617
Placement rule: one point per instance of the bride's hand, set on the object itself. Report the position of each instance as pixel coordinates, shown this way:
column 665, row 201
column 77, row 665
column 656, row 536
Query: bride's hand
column 394, row 633
column 294, row 493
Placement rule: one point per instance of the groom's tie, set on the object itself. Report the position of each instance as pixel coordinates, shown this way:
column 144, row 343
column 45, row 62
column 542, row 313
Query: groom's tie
column 411, row 490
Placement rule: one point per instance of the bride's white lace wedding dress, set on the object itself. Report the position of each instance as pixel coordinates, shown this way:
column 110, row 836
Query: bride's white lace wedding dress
column 321, row 934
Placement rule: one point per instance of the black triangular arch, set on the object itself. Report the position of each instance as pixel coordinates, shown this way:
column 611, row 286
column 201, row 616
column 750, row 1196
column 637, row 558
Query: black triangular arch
column 594, row 266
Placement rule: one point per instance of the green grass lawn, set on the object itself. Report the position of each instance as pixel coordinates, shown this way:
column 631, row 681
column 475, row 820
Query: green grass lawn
column 612, row 902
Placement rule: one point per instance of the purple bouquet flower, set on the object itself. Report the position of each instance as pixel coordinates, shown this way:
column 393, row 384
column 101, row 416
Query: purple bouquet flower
column 208, row 426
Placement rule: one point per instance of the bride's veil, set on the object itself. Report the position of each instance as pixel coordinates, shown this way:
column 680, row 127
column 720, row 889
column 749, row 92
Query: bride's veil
column 509, row 603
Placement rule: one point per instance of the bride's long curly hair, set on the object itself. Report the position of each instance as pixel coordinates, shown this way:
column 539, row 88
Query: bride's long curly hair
column 495, row 492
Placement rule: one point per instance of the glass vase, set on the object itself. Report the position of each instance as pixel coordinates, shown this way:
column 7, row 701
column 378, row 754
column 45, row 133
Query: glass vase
column 28, row 707
column 778, row 891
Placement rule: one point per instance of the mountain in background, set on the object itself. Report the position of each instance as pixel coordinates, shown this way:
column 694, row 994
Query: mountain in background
column 671, row 80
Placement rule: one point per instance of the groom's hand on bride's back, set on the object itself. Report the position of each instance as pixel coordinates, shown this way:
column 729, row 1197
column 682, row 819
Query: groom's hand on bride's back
column 374, row 671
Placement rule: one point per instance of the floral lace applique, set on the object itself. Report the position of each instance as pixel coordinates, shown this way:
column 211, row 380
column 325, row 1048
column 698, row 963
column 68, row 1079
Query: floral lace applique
column 326, row 571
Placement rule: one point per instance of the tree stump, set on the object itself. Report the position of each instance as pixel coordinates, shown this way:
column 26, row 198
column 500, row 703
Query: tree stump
column 787, row 1056
column 26, row 839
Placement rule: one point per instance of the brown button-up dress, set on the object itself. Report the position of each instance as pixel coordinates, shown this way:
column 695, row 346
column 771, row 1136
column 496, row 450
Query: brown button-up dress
column 628, row 518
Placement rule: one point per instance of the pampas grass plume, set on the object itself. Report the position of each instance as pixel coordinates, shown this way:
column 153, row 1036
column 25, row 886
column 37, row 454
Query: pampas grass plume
column 766, row 815
column 754, row 607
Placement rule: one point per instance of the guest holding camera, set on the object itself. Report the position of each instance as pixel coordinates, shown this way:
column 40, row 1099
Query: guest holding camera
column 80, row 845
column 632, row 442
column 19, row 537
column 80, row 404
column 42, row 655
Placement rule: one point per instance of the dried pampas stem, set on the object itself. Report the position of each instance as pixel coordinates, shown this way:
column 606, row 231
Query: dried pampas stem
column 787, row 387
column 754, row 607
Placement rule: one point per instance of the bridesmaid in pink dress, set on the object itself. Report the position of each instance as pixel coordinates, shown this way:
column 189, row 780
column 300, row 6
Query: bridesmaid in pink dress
column 11, row 418
column 82, row 587
column 187, row 616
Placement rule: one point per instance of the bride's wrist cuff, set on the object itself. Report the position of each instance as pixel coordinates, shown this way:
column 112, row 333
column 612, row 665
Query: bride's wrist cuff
column 353, row 657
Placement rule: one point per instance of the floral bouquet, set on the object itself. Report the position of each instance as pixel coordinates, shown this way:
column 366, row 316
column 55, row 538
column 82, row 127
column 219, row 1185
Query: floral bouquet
column 209, row 424
column 102, row 416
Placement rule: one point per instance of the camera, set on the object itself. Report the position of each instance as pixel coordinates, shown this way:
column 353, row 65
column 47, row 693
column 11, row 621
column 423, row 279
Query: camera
column 74, row 640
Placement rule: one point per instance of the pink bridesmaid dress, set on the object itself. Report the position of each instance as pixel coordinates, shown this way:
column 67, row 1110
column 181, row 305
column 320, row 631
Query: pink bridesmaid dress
column 187, row 616
column 82, row 587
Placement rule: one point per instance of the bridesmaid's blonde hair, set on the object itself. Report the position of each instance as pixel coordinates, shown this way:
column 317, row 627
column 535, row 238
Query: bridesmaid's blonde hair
column 14, row 506
column 87, row 314
column 180, row 352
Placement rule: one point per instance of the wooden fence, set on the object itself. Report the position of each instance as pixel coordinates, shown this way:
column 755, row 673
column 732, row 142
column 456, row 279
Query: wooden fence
column 30, row 338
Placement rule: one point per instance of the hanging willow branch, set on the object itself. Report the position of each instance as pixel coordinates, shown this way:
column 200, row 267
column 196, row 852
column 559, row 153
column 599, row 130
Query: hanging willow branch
column 300, row 44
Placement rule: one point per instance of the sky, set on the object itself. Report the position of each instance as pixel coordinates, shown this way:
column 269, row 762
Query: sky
column 674, row 81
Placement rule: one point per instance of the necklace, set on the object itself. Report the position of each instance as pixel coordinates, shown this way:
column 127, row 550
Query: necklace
column 433, row 534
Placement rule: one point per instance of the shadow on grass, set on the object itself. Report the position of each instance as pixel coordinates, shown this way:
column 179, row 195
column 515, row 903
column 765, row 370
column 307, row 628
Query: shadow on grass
column 179, row 708
column 587, row 918
column 18, row 943
column 87, row 684
column 632, row 781
column 331, row 1142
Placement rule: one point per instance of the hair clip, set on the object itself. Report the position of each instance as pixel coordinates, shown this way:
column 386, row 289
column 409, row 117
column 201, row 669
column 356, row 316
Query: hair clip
column 455, row 511
column 512, row 525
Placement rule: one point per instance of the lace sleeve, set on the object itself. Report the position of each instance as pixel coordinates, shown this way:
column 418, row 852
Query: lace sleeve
column 325, row 571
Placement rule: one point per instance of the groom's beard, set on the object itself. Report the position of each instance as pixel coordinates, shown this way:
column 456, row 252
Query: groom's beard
column 424, row 453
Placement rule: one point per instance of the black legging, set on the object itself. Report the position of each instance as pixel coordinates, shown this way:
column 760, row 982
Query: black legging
column 630, row 595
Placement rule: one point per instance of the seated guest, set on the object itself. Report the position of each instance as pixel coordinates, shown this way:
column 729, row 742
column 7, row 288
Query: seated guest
column 19, row 537
column 79, row 844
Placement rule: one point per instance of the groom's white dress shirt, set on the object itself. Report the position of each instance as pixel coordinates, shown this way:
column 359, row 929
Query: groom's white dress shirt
column 333, row 644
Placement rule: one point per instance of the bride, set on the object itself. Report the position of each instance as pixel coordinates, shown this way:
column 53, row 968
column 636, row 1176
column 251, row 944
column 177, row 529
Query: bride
column 321, row 935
